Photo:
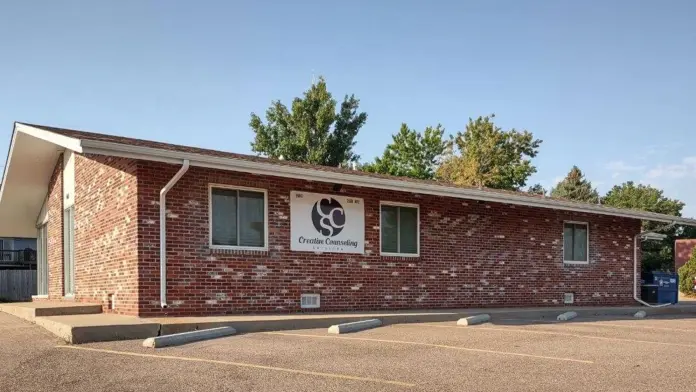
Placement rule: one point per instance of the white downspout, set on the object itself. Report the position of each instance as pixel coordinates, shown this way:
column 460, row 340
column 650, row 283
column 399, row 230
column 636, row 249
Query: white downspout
column 163, row 231
column 636, row 243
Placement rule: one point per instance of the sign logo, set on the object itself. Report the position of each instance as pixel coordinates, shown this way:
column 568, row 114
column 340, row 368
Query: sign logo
column 326, row 223
column 328, row 217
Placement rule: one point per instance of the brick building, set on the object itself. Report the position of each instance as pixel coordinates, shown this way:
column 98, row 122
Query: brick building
column 249, row 234
column 682, row 252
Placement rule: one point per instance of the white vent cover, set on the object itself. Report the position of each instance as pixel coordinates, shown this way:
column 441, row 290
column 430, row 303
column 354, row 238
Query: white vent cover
column 309, row 301
column 568, row 298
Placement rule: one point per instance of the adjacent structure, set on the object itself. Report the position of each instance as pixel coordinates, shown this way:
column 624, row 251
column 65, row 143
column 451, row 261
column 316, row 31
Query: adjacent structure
column 150, row 229
column 18, row 253
column 682, row 252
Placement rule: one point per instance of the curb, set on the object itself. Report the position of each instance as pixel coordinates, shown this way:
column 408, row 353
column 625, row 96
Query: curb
column 87, row 328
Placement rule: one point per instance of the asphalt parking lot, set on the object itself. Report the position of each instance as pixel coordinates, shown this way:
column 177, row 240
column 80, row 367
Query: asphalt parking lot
column 602, row 354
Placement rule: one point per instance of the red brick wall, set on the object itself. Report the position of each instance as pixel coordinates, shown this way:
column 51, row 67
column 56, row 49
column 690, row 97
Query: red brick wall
column 55, row 232
column 106, row 227
column 472, row 254
column 682, row 251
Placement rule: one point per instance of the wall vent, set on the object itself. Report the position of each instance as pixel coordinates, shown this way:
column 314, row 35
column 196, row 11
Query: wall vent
column 309, row 301
column 568, row 298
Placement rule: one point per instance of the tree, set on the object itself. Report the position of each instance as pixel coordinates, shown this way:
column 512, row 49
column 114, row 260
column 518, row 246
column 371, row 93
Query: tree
column 656, row 255
column 490, row 157
column 313, row 132
column 644, row 198
column 687, row 273
column 536, row 189
column 575, row 187
column 412, row 154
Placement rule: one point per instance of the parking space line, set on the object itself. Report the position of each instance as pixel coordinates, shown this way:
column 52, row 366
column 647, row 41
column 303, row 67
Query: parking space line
column 553, row 333
column 600, row 323
column 478, row 350
column 539, row 321
column 244, row 365
column 647, row 327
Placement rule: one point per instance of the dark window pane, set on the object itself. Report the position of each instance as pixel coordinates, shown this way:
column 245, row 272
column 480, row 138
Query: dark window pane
column 389, row 229
column 580, row 243
column 251, row 219
column 575, row 242
column 408, row 230
column 224, row 216
column 568, row 242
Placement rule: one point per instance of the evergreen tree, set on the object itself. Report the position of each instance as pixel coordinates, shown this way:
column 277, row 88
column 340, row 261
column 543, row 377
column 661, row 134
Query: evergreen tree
column 575, row 187
column 536, row 189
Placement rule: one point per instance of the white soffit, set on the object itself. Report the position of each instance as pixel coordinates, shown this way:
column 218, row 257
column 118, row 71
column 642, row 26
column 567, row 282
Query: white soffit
column 32, row 157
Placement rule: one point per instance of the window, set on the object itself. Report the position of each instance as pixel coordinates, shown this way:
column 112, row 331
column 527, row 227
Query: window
column 42, row 261
column 69, row 251
column 238, row 218
column 399, row 229
column 575, row 243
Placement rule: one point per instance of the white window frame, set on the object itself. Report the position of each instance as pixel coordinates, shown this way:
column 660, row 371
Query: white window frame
column 397, row 204
column 586, row 262
column 210, row 217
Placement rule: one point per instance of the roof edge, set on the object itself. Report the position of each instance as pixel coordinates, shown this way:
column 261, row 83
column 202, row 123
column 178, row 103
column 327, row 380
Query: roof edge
column 52, row 137
column 269, row 168
column 8, row 160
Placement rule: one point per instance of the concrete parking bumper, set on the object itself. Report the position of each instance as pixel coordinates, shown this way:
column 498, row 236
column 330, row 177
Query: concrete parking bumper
column 474, row 320
column 354, row 326
column 567, row 316
column 188, row 337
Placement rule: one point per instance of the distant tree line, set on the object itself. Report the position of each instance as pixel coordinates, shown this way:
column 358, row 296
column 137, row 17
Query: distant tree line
column 317, row 130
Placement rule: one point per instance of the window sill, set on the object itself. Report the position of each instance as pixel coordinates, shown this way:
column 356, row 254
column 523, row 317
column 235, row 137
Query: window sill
column 42, row 296
column 225, row 247
column 401, row 255
column 565, row 262
column 238, row 250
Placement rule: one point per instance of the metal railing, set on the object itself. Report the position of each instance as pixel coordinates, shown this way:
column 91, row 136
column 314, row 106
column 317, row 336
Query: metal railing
column 18, row 257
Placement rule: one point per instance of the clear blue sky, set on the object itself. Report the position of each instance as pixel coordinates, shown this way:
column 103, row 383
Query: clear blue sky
column 608, row 85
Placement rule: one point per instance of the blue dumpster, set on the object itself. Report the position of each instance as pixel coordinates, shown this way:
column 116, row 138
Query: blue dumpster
column 667, row 287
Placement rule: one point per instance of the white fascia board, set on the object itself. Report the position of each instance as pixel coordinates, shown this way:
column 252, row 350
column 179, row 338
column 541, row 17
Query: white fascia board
column 52, row 137
column 8, row 162
column 286, row 171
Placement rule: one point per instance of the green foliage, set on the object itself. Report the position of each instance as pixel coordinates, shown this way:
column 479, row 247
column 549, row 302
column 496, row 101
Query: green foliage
column 490, row 157
column 313, row 132
column 575, row 187
column 536, row 189
column 642, row 197
column 656, row 255
column 412, row 154
column 687, row 273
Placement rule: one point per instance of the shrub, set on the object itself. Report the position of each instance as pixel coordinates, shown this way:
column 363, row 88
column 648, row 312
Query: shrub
column 687, row 273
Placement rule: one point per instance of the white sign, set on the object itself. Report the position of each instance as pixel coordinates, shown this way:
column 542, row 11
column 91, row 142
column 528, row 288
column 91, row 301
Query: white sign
column 326, row 223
